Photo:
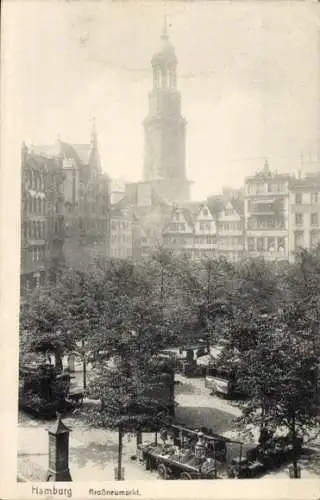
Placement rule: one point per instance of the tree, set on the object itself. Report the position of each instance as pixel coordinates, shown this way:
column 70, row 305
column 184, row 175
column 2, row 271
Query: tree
column 42, row 324
column 279, row 374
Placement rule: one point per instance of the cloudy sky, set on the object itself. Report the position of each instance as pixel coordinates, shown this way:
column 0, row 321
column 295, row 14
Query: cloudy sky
column 248, row 73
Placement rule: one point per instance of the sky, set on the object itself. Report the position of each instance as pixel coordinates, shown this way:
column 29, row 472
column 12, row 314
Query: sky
column 248, row 73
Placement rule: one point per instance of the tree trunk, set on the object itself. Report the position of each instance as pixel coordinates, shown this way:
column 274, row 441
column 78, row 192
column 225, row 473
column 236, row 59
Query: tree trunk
column 119, row 475
column 162, row 286
column 294, row 449
column 58, row 359
column 139, row 438
column 84, row 364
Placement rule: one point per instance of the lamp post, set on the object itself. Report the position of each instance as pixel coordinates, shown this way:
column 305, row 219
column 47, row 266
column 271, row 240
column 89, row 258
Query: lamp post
column 84, row 364
column 119, row 474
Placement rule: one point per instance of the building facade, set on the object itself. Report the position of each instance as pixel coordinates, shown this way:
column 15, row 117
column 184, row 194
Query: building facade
column 121, row 232
column 165, row 129
column 266, row 214
column 230, row 231
column 86, row 201
column 205, row 233
column 150, row 214
column 304, row 214
column 42, row 220
column 178, row 234
column 191, row 231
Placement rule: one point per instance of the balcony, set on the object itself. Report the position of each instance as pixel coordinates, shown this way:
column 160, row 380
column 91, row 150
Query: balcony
column 271, row 207
column 267, row 255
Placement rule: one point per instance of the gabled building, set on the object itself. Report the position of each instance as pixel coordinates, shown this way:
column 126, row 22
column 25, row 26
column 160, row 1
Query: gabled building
column 86, row 193
column 230, row 231
column 178, row 234
column 191, row 231
column 205, row 233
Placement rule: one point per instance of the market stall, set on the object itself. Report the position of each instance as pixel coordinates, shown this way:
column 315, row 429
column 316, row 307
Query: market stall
column 186, row 454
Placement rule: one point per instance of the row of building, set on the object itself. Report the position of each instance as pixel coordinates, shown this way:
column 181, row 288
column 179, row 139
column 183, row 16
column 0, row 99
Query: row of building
column 65, row 208
column 272, row 217
column 71, row 214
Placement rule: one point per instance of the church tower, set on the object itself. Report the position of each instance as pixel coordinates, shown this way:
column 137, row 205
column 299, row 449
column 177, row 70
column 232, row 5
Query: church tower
column 94, row 156
column 165, row 128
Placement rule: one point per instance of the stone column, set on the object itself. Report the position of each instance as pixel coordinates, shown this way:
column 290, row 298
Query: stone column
column 58, row 469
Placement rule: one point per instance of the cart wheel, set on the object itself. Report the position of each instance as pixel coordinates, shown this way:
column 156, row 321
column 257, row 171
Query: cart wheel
column 162, row 471
column 185, row 475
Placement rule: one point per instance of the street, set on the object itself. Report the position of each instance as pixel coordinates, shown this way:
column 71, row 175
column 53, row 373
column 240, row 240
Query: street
column 93, row 451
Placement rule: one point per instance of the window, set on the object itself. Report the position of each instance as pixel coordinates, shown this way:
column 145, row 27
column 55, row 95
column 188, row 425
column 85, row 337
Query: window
column 298, row 199
column 25, row 229
column 35, row 181
column 298, row 239
column 251, row 244
column 271, row 244
column 205, row 212
column 260, row 244
column 252, row 188
column 261, row 188
column 314, row 238
column 314, row 219
column 204, row 226
column 281, row 244
column 299, row 219
column 314, row 198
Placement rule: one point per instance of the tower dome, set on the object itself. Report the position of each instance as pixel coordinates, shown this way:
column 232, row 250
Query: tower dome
column 165, row 53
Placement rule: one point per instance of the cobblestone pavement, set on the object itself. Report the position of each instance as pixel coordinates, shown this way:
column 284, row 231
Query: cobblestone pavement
column 93, row 452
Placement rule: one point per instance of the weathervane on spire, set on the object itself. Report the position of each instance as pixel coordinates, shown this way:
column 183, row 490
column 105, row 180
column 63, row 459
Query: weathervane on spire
column 165, row 35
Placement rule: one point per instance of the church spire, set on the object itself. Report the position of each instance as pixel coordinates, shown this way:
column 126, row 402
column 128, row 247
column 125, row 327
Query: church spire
column 164, row 34
column 94, row 158
column 94, row 140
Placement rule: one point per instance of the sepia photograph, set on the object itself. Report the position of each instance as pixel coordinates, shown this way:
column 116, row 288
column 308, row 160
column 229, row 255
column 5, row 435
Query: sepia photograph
column 169, row 242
